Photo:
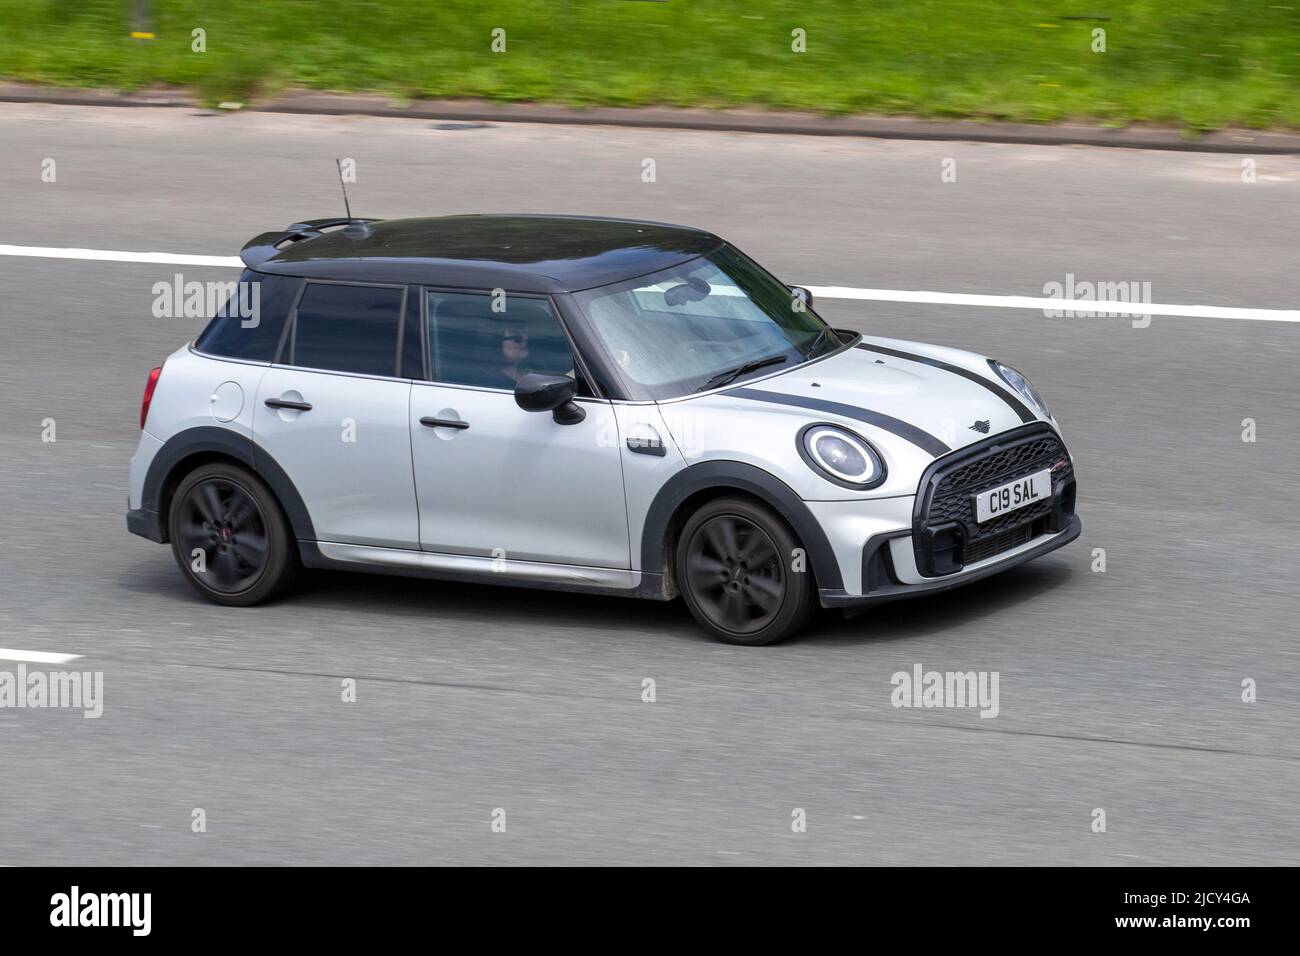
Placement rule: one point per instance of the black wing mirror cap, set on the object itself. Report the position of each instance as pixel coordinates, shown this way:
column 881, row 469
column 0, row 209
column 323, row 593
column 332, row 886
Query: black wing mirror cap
column 550, row 393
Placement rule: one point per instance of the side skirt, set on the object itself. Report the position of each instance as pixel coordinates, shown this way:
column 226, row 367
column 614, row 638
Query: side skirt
column 474, row 569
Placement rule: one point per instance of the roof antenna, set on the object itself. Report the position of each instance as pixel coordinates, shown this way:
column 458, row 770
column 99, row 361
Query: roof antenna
column 343, row 184
column 356, row 228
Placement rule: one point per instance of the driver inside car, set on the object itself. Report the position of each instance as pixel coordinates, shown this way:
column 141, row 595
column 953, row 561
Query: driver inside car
column 514, row 351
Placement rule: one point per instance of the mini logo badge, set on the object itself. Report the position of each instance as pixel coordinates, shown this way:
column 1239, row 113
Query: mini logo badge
column 981, row 427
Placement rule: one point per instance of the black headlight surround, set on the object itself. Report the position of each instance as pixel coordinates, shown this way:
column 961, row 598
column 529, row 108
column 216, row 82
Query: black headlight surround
column 811, row 462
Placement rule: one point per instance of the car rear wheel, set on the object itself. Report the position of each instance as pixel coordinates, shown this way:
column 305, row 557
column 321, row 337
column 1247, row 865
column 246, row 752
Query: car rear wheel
column 230, row 537
column 741, row 573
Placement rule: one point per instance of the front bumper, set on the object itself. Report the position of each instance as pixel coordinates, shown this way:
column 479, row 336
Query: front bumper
column 932, row 542
column 879, row 585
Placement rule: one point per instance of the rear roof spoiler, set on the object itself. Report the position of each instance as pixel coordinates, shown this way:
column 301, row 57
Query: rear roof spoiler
column 261, row 248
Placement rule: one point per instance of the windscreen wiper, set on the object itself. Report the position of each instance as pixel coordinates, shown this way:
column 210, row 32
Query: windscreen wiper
column 826, row 330
column 731, row 374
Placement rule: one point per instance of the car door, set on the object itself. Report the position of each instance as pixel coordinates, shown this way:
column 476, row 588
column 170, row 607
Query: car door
column 334, row 414
column 491, row 479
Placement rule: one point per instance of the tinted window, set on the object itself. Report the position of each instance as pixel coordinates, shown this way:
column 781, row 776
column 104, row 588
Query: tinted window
column 470, row 343
column 348, row 328
column 249, row 323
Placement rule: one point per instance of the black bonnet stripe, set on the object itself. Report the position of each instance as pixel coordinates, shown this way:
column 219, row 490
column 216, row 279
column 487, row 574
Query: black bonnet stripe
column 1019, row 407
column 919, row 438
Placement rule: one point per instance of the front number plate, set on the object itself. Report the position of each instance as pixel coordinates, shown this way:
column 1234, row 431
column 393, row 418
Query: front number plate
column 1013, row 495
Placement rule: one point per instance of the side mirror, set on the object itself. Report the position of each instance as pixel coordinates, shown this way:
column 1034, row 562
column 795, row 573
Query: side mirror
column 800, row 292
column 550, row 393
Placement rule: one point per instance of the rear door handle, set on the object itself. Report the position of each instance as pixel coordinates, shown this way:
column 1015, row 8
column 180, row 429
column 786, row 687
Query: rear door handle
column 444, row 423
column 285, row 403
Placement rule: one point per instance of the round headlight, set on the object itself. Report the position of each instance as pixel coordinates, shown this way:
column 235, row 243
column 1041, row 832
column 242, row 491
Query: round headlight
column 1021, row 385
column 841, row 456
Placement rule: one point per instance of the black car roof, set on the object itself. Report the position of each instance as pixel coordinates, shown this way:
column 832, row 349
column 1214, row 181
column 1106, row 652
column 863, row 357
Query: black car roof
column 519, row 253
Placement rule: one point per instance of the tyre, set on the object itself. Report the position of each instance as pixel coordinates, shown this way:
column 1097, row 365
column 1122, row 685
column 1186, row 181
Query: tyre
column 230, row 536
column 735, row 570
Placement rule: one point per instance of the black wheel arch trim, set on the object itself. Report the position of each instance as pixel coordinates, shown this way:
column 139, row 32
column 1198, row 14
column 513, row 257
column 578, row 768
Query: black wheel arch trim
column 224, row 441
column 737, row 476
column 1017, row 406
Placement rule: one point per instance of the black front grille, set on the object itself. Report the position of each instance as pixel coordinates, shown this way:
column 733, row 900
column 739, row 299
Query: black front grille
column 946, row 534
column 994, row 544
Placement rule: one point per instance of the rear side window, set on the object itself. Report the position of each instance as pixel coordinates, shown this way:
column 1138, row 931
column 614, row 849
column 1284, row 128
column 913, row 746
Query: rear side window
column 249, row 324
column 347, row 328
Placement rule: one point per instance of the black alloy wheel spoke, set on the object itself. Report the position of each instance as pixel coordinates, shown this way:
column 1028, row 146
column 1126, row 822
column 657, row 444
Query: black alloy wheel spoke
column 757, row 551
column 250, row 548
column 224, row 522
column 721, row 534
column 207, row 501
column 735, row 574
column 240, row 510
column 764, row 592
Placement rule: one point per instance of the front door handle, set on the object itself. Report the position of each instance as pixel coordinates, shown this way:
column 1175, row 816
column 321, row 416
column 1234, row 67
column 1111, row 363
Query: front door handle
column 285, row 403
column 444, row 423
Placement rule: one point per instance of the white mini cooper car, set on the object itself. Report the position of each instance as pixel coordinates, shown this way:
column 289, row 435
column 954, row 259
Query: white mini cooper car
column 584, row 404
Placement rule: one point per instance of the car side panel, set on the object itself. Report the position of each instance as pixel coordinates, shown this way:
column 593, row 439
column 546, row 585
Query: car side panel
column 517, row 485
column 644, row 474
column 194, row 391
column 348, row 456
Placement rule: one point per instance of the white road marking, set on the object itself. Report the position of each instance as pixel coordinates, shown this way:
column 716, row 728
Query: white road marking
column 819, row 291
column 1064, row 305
column 112, row 255
column 36, row 657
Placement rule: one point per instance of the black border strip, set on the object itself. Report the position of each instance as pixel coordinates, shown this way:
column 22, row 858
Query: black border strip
column 1019, row 407
column 921, row 439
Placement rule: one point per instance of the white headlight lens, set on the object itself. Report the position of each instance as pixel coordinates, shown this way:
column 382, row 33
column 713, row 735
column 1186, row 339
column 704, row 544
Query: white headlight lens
column 842, row 455
column 1022, row 386
column 838, row 455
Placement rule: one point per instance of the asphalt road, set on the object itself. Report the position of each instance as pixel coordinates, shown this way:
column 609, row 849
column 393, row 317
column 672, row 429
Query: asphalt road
column 1118, row 690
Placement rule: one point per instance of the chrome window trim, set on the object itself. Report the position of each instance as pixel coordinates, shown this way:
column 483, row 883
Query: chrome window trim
column 226, row 358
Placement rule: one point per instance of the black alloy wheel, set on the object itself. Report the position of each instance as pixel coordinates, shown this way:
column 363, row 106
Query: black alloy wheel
column 223, row 530
column 741, row 573
column 230, row 536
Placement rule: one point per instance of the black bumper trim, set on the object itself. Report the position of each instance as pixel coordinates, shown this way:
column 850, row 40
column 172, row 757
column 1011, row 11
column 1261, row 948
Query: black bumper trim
column 890, row 591
column 147, row 524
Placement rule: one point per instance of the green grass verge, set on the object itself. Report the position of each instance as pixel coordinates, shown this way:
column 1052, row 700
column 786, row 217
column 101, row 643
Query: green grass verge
column 1199, row 64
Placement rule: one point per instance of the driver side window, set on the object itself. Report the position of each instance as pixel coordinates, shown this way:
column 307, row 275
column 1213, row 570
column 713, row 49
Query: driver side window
column 470, row 343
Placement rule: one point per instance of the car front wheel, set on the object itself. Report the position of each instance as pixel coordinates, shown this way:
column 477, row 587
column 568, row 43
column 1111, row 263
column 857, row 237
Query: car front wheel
column 230, row 537
column 742, row 573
